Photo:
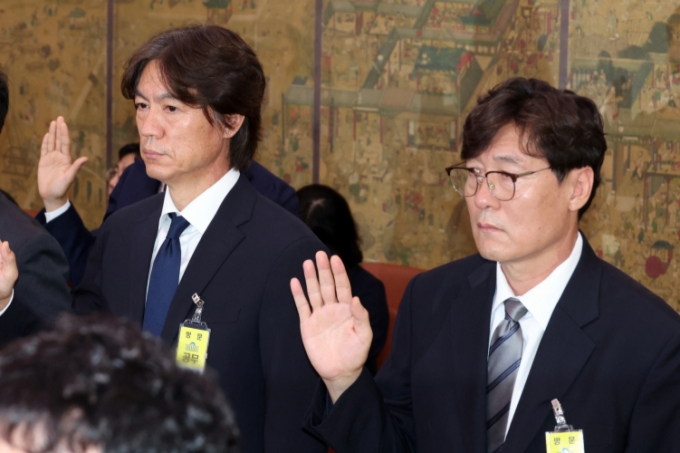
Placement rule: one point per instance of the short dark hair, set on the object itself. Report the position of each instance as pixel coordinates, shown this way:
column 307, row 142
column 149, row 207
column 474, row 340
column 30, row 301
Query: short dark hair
column 327, row 214
column 4, row 99
column 130, row 148
column 97, row 381
column 559, row 125
column 213, row 68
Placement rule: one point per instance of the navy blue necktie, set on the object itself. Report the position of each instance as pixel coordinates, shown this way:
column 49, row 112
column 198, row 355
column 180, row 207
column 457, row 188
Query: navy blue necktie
column 164, row 277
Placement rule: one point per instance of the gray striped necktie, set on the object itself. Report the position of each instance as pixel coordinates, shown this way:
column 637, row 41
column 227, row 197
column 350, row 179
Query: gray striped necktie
column 505, row 355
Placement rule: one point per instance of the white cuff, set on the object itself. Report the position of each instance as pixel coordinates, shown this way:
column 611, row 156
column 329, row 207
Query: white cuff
column 49, row 216
column 11, row 298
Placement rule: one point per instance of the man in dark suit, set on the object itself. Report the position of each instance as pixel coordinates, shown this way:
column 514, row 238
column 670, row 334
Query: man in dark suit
column 198, row 94
column 42, row 287
column 483, row 345
column 135, row 185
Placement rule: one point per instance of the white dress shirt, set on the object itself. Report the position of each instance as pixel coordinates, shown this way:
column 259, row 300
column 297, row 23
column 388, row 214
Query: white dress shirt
column 199, row 213
column 540, row 303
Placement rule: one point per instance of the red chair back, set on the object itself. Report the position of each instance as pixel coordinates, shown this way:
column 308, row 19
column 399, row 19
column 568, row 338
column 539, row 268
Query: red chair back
column 395, row 278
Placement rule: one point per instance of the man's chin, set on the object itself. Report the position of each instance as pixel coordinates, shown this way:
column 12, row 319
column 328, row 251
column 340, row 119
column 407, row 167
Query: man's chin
column 490, row 253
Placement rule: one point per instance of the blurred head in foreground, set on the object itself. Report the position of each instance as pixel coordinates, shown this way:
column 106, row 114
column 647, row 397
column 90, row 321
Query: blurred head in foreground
column 99, row 384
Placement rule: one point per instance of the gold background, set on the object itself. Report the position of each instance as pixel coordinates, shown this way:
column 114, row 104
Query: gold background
column 398, row 78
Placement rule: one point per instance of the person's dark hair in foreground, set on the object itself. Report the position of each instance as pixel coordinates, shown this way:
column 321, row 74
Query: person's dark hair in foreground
column 559, row 125
column 192, row 63
column 328, row 215
column 100, row 384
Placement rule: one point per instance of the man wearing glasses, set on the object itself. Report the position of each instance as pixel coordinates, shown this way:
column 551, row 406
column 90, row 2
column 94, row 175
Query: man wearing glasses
column 482, row 345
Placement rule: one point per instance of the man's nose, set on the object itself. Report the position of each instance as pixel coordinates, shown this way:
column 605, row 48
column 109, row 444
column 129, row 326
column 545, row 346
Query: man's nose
column 149, row 124
column 484, row 198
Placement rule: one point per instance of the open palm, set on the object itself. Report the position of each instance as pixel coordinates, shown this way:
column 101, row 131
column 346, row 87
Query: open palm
column 335, row 327
column 8, row 273
column 56, row 170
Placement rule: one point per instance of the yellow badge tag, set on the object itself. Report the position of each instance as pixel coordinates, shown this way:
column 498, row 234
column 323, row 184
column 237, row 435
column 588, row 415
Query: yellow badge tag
column 192, row 346
column 564, row 442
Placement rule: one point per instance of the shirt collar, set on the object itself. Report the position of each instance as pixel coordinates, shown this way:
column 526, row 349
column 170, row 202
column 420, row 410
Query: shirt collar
column 542, row 299
column 200, row 212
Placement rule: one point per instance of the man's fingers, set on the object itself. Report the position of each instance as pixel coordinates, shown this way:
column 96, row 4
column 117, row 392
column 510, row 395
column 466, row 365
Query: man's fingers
column 303, row 308
column 63, row 139
column 342, row 285
column 362, row 324
column 312, row 283
column 75, row 168
column 52, row 137
column 326, row 280
column 6, row 254
column 43, row 147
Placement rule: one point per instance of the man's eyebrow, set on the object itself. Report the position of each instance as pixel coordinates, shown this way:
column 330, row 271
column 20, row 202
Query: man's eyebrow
column 507, row 158
column 160, row 97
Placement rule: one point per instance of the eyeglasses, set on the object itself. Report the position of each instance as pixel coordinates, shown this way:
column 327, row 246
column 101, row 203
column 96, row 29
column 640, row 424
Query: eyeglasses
column 466, row 181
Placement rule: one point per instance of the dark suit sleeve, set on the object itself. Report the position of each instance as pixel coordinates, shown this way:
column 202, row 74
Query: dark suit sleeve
column 373, row 417
column 74, row 238
column 18, row 321
column 43, row 276
column 88, row 296
column 289, row 377
column 655, row 425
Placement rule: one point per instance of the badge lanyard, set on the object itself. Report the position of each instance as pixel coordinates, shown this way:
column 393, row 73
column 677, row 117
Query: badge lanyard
column 194, row 336
column 564, row 439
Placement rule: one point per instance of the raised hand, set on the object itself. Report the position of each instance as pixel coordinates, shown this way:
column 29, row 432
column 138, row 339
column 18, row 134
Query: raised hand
column 56, row 170
column 8, row 273
column 335, row 328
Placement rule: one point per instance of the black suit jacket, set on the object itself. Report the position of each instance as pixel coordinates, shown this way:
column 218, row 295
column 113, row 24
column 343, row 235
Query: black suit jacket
column 43, row 269
column 610, row 354
column 242, row 269
column 18, row 321
column 135, row 185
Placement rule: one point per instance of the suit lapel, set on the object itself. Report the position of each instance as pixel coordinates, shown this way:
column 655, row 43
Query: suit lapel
column 219, row 240
column 562, row 353
column 139, row 263
column 470, row 332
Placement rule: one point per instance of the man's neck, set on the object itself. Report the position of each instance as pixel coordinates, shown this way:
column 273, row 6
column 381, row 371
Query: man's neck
column 524, row 276
column 184, row 192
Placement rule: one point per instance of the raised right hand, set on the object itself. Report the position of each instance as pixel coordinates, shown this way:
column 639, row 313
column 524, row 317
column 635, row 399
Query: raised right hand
column 335, row 329
column 56, row 171
column 8, row 273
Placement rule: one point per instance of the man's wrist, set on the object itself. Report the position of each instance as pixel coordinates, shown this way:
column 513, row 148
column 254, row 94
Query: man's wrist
column 51, row 215
column 54, row 204
column 336, row 387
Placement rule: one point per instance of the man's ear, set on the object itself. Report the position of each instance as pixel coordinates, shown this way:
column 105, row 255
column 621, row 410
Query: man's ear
column 232, row 124
column 581, row 186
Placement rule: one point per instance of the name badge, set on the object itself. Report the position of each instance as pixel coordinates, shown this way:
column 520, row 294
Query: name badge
column 565, row 439
column 194, row 338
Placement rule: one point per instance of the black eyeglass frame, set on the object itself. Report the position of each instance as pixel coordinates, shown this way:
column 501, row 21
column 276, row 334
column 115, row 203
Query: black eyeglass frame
column 479, row 176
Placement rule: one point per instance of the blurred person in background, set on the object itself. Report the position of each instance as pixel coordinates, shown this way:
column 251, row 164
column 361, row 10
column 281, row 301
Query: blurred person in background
column 327, row 214
column 65, row 224
column 126, row 157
